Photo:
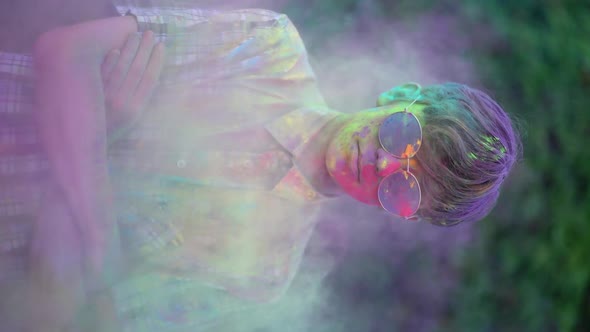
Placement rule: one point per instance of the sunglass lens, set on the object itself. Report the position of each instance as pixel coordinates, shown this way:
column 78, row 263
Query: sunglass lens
column 399, row 194
column 400, row 134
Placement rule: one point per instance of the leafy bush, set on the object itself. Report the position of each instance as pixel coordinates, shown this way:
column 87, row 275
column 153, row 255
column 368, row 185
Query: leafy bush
column 530, row 271
column 529, row 268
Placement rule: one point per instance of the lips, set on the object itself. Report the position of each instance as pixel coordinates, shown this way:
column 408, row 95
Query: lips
column 358, row 161
column 353, row 161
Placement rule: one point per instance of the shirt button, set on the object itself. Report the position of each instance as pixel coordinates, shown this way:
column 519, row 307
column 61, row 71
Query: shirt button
column 181, row 163
column 310, row 194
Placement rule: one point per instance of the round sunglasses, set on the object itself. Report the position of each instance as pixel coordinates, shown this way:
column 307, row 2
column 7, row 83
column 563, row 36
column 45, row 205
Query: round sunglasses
column 400, row 135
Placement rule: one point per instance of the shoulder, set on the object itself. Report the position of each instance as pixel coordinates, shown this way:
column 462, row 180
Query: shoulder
column 201, row 25
column 255, row 21
column 190, row 13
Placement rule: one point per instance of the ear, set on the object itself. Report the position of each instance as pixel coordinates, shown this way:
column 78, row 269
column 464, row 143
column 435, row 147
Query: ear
column 408, row 91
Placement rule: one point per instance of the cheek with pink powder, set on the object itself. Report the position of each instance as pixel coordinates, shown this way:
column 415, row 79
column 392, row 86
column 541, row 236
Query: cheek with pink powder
column 370, row 182
column 365, row 192
column 374, row 163
column 366, row 130
column 343, row 163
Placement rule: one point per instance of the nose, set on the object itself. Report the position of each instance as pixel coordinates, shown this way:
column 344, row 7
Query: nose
column 386, row 163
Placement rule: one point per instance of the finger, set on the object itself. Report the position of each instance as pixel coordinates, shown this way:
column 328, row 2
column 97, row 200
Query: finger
column 108, row 65
column 138, row 66
column 125, row 59
column 150, row 78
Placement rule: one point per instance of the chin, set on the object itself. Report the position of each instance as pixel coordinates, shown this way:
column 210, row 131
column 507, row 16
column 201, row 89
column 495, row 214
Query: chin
column 350, row 187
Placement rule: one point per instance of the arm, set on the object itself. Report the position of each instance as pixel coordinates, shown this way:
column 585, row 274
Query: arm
column 73, row 224
column 73, row 80
column 72, row 123
column 76, row 225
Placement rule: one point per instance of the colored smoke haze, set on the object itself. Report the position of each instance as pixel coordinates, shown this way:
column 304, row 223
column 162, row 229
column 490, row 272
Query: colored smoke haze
column 356, row 58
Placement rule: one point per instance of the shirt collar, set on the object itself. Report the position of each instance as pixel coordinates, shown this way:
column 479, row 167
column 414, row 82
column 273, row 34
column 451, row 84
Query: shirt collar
column 294, row 131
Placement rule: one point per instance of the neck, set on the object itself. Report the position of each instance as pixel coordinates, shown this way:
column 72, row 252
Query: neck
column 312, row 161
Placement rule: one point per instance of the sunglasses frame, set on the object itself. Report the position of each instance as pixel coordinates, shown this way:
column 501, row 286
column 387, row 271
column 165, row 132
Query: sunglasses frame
column 407, row 170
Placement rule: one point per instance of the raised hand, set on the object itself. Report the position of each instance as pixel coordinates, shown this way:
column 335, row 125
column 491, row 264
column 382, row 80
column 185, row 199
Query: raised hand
column 130, row 76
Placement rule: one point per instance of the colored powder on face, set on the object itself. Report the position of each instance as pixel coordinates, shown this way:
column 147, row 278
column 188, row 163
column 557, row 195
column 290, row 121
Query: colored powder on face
column 409, row 151
column 369, row 183
column 365, row 132
column 387, row 166
column 369, row 174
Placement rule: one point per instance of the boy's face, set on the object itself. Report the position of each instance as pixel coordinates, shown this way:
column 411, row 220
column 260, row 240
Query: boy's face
column 355, row 159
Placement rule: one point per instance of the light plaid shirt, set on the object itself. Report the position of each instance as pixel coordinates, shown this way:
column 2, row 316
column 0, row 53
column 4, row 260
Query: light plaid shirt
column 209, row 198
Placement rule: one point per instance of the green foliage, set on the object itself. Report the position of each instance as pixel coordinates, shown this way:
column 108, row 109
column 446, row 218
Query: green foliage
column 530, row 269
